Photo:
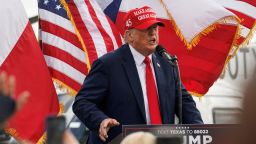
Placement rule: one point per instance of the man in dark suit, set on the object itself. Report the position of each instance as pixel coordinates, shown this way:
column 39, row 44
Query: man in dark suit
column 132, row 85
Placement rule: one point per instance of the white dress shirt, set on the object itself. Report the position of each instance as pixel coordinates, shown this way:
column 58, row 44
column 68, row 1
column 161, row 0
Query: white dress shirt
column 141, row 66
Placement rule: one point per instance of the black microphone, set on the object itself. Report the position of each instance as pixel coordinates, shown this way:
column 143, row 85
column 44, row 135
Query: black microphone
column 163, row 53
column 174, row 62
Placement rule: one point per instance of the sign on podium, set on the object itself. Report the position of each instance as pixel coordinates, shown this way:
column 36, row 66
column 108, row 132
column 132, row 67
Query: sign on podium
column 189, row 134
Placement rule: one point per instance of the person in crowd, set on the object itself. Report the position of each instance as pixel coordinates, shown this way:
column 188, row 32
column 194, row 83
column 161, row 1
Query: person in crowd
column 132, row 85
column 139, row 138
column 8, row 105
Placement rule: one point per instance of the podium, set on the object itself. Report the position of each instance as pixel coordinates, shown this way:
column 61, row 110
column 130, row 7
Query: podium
column 190, row 134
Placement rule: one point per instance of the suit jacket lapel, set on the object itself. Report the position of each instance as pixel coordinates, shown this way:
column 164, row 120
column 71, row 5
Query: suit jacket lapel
column 133, row 77
column 161, row 84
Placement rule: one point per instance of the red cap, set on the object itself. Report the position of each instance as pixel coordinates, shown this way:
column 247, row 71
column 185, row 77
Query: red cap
column 141, row 18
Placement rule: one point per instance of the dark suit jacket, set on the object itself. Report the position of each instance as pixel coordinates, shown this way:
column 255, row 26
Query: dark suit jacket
column 112, row 89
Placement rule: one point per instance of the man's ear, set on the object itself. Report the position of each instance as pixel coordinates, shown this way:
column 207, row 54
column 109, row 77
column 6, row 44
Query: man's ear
column 128, row 36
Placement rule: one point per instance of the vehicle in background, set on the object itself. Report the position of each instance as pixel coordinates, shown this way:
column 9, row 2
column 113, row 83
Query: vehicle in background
column 223, row 103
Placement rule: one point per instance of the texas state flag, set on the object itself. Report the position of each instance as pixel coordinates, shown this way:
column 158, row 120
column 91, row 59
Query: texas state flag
column 201, row 33
column 21, row 56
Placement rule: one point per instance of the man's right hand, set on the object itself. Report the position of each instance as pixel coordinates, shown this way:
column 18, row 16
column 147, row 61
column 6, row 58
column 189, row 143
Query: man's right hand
column 105, row 125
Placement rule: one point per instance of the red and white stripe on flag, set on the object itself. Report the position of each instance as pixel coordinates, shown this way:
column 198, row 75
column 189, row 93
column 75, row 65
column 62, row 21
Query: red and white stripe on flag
column 70, row 46
column 21, row 56
column 97, row 33
column 62, row 49
column 246, row 11
column 200, row 66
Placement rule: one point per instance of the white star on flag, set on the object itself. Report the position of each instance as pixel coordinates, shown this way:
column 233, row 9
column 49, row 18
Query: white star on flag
column 46, row 2
column 58, row 7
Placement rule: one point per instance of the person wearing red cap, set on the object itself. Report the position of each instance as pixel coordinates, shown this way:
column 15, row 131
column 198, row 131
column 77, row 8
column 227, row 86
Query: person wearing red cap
column 132, row 85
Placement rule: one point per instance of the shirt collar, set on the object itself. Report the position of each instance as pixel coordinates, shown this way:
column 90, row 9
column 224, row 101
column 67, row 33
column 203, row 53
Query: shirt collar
column 138, row 57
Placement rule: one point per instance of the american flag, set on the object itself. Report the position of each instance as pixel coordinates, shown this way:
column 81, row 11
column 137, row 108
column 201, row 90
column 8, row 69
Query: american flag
column 71, row 43
column 63, row 52
column 97, row 33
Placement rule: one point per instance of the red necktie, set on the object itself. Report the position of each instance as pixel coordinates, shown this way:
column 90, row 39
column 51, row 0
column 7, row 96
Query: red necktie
column 153, row 105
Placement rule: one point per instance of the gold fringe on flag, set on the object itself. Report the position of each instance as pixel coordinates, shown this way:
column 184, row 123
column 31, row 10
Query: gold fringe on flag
column 71, row 91
column 249, row 36
column 13, row 132
column 232, row 52
column 197, row 38
column 43, row 139
column 234, row 47
column 196, row 94
column 65, row 5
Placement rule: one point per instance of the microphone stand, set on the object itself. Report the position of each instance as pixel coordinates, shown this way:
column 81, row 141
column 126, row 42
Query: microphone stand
column 174, row 62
